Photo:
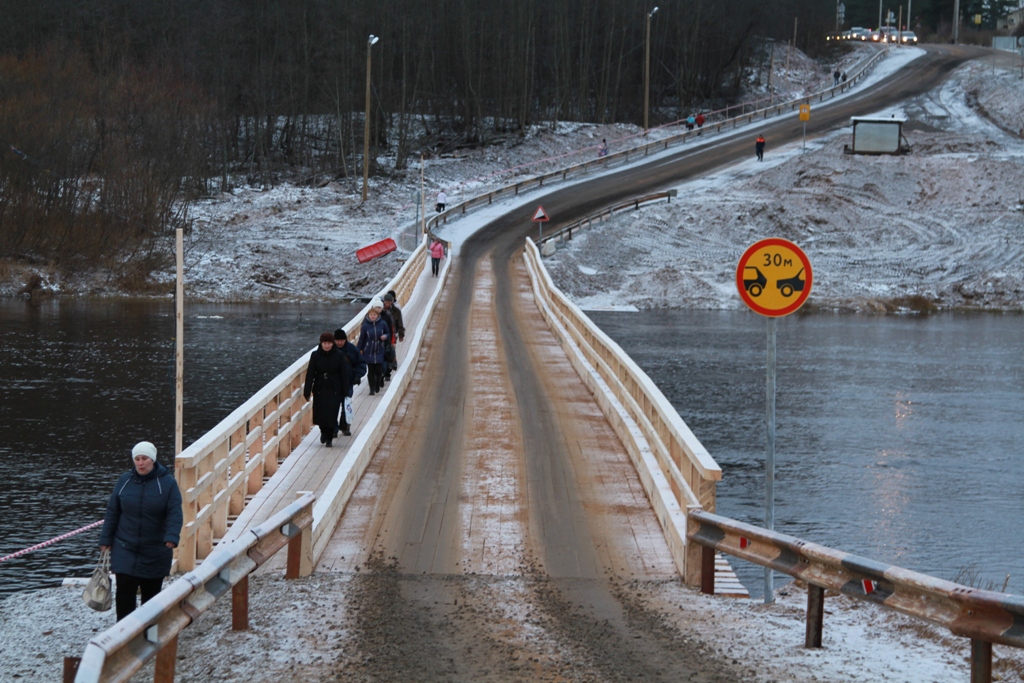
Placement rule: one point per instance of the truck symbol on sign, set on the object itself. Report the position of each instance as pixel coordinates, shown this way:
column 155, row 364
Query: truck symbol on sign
column 791, row 284
column 755, row 281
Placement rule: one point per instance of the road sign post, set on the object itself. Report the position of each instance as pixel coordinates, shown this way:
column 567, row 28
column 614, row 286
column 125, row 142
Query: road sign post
column 540, row 217
column 805, row 116
column 774, row 279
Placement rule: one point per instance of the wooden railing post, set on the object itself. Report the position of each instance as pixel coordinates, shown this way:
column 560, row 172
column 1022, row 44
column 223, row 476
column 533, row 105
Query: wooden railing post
column 300, row 551
column 815, row 615
column 165, row 661
column 707, row 570
column 71, row 668
column 240, row 605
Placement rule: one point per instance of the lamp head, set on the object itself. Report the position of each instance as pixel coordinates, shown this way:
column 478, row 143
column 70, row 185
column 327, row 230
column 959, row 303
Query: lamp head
column 654, row 11
column 373, row 39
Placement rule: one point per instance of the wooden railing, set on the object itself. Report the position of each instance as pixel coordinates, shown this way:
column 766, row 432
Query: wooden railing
column 985, row 617
column 631, row 154
column 676, row 470
column 152, row 630
column 229, row 462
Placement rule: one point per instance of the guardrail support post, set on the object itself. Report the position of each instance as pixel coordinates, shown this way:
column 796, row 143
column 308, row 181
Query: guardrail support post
column 981, row 661
column 815, row 615
column 71, row 668
column 300, row 551
column 240, row 605
column 707, row 570
column 165, row 661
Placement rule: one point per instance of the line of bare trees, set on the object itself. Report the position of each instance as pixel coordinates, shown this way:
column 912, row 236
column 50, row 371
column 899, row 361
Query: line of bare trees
column 133, row 101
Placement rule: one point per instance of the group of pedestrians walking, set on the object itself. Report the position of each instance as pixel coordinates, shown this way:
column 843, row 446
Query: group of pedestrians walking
column 337, row 366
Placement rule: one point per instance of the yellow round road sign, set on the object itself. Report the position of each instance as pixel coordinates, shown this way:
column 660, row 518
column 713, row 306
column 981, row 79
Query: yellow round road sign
column 805, row 112
column 774, row 277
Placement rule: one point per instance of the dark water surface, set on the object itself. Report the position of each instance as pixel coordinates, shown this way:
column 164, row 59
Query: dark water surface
column 898, row 438
column 82, row 382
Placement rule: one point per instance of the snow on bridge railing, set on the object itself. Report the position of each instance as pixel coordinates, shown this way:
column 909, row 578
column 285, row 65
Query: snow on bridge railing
column 152, row 630
column 986, row 617
column 218, row 470
column 676, row 470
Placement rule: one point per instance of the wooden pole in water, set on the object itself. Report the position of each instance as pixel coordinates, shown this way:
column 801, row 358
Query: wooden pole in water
column 179, row 353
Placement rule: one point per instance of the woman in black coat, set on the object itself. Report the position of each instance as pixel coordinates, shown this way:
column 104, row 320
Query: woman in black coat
column 328, row 379
column 141, row 528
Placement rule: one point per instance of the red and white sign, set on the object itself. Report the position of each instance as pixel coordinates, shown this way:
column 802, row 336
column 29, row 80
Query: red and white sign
column 540, row 216
column 869, row 586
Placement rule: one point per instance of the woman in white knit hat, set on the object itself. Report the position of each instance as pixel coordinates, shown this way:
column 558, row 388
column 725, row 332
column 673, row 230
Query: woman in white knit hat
column 141, row 528
column 373, row 339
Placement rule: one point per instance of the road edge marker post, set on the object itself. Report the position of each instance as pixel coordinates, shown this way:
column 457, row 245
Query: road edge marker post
column 777, row 256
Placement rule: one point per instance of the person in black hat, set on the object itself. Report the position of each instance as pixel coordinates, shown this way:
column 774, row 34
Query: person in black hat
column 328, row 380
column 357, row 370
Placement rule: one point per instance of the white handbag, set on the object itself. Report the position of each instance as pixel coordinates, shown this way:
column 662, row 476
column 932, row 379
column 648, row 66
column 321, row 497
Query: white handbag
column 97, row 593
column 349, row 412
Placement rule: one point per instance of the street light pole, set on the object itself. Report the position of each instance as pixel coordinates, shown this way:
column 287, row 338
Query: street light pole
column 647, row 68
column 956, row 21
column 366, row 125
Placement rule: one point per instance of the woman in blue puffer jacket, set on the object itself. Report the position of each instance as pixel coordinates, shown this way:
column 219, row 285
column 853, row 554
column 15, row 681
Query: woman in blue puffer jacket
column 373, row 343
column 142, row 527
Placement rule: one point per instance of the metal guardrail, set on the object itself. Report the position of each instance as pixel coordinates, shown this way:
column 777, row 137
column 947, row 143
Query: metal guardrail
column 152, row 630
column 566, row 232
column 624, row 156
column 986, row 617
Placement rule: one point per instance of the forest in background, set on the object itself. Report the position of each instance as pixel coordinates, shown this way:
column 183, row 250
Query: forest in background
column 114, row 113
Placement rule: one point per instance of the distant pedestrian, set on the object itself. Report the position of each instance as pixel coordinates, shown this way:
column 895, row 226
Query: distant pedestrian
column 700, row 120
column 759, row 147
column 602, row 149
column 835, row 77
column 690, row 122
column 392, row 311
column 373, row 336
column 141, row 528
column 436, row 254
column 357, row 369
column 328, row 380
column 442, row 201
column 844, row 77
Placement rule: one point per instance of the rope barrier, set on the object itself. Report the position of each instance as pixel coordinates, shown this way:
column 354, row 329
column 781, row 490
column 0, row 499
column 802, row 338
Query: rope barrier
column 50, row 542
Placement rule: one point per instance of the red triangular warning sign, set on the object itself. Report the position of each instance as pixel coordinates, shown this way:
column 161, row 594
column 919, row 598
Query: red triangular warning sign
column 539, row 215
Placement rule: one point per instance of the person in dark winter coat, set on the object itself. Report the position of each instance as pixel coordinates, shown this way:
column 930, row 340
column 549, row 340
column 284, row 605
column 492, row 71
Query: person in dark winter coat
column 141, row 528
column 328, row 380
column 357, row 370
column 759, row 147
column 392, row 314
column 373, row 336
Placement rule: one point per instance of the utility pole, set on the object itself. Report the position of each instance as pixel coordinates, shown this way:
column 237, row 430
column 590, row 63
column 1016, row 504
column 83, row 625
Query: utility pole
column 647, row 68
column 366, row 125
column 179, row 343
column 793, row 46
column 879, row 15
column 956, row 21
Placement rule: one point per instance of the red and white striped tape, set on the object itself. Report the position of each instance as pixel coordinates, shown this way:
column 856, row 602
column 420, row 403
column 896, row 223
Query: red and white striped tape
column 50, row 542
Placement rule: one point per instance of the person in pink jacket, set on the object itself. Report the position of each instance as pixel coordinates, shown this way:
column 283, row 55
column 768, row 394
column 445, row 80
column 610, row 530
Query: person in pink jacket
column 436, row 254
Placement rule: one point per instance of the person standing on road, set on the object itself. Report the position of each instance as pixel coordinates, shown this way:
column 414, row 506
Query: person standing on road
column 690, row 122
column 835, row 77
column 700, row 121
column 759, row 147
column 141, row 528
column 373, row 334
column 442, row 201
column 328, row 379
column 357, row 370
column 436, row 254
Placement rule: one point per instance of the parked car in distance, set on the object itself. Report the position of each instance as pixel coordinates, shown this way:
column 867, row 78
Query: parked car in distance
column 908, row 38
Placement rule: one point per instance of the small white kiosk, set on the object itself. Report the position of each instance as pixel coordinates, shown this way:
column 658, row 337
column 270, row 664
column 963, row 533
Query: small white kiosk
column 877, row 135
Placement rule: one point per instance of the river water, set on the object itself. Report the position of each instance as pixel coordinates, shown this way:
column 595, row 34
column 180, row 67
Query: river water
column 898, row 438
column 82, row 382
